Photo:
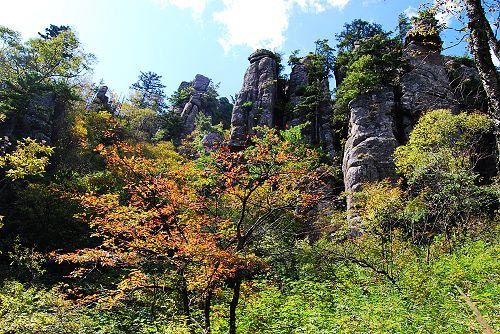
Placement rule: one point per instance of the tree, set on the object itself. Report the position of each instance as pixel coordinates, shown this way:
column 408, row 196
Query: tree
column 53, row 31
column 154, row 233
column 480, row 37
column 439, row 164
column 142, row 124
column 256, row 190
column 148, row 92
column 30, row 158
column 404, row 26
column 354, row 32
column 481, row 40
column 36, row 70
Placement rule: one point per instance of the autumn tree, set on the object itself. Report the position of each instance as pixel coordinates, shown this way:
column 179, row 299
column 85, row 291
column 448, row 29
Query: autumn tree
column 154, row 232
column 257, row 190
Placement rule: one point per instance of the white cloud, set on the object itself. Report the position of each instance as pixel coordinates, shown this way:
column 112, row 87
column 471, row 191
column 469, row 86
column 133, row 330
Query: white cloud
column 263, row 23
column 196, row 6
column 254, row 23
column 257, row 23
column 411, row 12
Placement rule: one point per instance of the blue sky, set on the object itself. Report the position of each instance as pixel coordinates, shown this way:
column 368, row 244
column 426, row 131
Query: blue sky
column 180, row 38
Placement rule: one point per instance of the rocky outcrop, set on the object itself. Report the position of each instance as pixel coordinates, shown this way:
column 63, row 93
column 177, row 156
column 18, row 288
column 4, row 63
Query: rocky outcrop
column 371, row 142
column 465, row 83
column 383, row 120
column 425, row 85
column 100, row 101
column 257, row 99
column 211, row 141
column 196, row 103
column 268, row 100
column 38, row 120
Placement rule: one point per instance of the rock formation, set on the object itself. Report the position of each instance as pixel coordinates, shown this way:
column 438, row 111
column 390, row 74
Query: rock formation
column 35, row 122
column 196, row 104
column 257, row 99
column 371, row 142
column 268, row 100
column 381, row 121
column 101, row 101
column 425, row 86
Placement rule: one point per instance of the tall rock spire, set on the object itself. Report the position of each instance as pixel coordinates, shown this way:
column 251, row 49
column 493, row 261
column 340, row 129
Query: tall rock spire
column 257, row 99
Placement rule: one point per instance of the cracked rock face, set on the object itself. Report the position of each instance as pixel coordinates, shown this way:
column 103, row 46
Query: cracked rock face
column 196, row 104
column 37, row 122
column 371, row 142
column 257, row 99
column 426, row 85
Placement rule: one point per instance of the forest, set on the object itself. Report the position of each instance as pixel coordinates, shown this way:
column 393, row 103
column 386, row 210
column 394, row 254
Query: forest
column 290, row 207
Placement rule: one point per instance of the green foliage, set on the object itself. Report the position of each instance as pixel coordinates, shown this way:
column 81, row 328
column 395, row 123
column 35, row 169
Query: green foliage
column 426, row 29
column 171, row 127
column 442, row 142
column 361, row 79
column 27, row 310
column 375, row 61
column 247, row 104
column 27, row 261
column 204, row 126
column 181, row 96
column 404, row 27
column 148, row 92
column 223, row 113
column 30, row 158
column 141, row 124
column 438, row 163
column 351, row 299
column 356, row 31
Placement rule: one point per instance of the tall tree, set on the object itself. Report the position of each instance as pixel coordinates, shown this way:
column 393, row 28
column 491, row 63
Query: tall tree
column 148, row 91
column 258, row 190
column 356, row 31
column 480, row 39
column 403, row 27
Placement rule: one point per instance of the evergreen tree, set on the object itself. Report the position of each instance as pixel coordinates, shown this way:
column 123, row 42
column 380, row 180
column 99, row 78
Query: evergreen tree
column 148, row 91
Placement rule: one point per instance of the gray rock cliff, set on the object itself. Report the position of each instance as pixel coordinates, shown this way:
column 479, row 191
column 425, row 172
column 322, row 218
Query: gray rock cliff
column 196, row 102
column 371, row 142
column 257, row 99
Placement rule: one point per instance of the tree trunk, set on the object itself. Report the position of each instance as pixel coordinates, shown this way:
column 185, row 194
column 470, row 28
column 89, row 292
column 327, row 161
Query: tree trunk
column 494, row 43
column 478, row 26
column 481, row 37
column 206, row 311
column 233, row 305
column 185, row 302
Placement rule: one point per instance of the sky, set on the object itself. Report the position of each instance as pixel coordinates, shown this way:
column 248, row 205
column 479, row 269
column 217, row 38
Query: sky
column 179, row 38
